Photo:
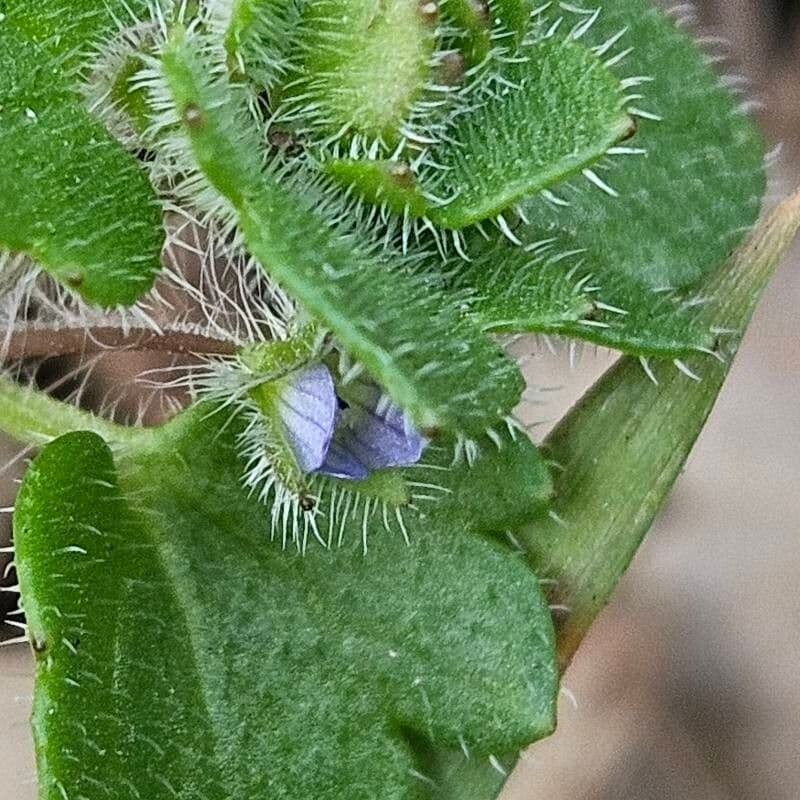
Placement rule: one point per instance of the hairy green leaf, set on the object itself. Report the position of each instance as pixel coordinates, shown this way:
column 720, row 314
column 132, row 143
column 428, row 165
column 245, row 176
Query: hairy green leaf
column 75, row 200
column 553, row 109
column 181, row 652
column 537, row 288
column 361, row 66
column 686, row 202
column 684, row 191
column 413, row 340
column 391, row 184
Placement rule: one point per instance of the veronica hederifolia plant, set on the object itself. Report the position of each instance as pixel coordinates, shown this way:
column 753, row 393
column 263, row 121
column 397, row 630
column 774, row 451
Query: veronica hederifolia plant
column 318, row 577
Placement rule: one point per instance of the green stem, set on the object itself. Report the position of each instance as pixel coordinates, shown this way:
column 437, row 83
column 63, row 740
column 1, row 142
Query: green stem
column 619, row 451
column 33, row 418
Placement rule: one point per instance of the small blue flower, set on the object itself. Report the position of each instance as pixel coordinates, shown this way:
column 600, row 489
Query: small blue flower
column 308, row 409
column 346, row 436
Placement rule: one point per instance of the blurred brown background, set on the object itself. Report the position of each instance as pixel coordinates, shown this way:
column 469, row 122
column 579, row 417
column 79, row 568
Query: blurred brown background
column 687, row 688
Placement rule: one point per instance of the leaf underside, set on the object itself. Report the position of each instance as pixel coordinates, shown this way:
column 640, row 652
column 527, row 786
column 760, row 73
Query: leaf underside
column 200, row 657
column 75, row 200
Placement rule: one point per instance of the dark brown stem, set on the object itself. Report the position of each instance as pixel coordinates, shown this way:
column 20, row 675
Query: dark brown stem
column 30, row 342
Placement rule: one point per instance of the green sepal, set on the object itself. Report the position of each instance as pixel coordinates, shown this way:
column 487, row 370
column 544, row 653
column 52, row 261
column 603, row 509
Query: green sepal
column 277, row 358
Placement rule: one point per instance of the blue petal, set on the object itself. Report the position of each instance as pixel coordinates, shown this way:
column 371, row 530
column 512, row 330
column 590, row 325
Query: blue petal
column 307, row 406
column 341, row 463
column 377, row 435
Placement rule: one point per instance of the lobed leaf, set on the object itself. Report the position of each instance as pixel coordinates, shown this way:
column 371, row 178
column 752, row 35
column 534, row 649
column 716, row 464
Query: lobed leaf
column 180, row 651
column 76, row 201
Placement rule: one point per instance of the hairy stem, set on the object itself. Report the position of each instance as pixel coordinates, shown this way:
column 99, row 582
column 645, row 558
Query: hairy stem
column 34, row 418
column 33, row 342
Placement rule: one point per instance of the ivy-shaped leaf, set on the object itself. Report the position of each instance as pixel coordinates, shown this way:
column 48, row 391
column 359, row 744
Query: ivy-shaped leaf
column 433, row 362
column 75, row 200
column 182, row 653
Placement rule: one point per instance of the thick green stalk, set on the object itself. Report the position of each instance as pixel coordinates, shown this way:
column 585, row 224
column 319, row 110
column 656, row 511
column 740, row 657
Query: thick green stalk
column 33, row 418
column 619, row 451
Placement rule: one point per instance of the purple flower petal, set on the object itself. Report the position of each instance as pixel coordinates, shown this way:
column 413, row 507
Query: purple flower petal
column 372, row 435
column 385, row 440
column 341, row 463
column 308, row 407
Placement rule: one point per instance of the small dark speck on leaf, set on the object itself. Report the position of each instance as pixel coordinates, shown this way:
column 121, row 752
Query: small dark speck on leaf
column 429, row 11
column 193, row 115
column 632, row 130
column 452, row 68
column 402, row 175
